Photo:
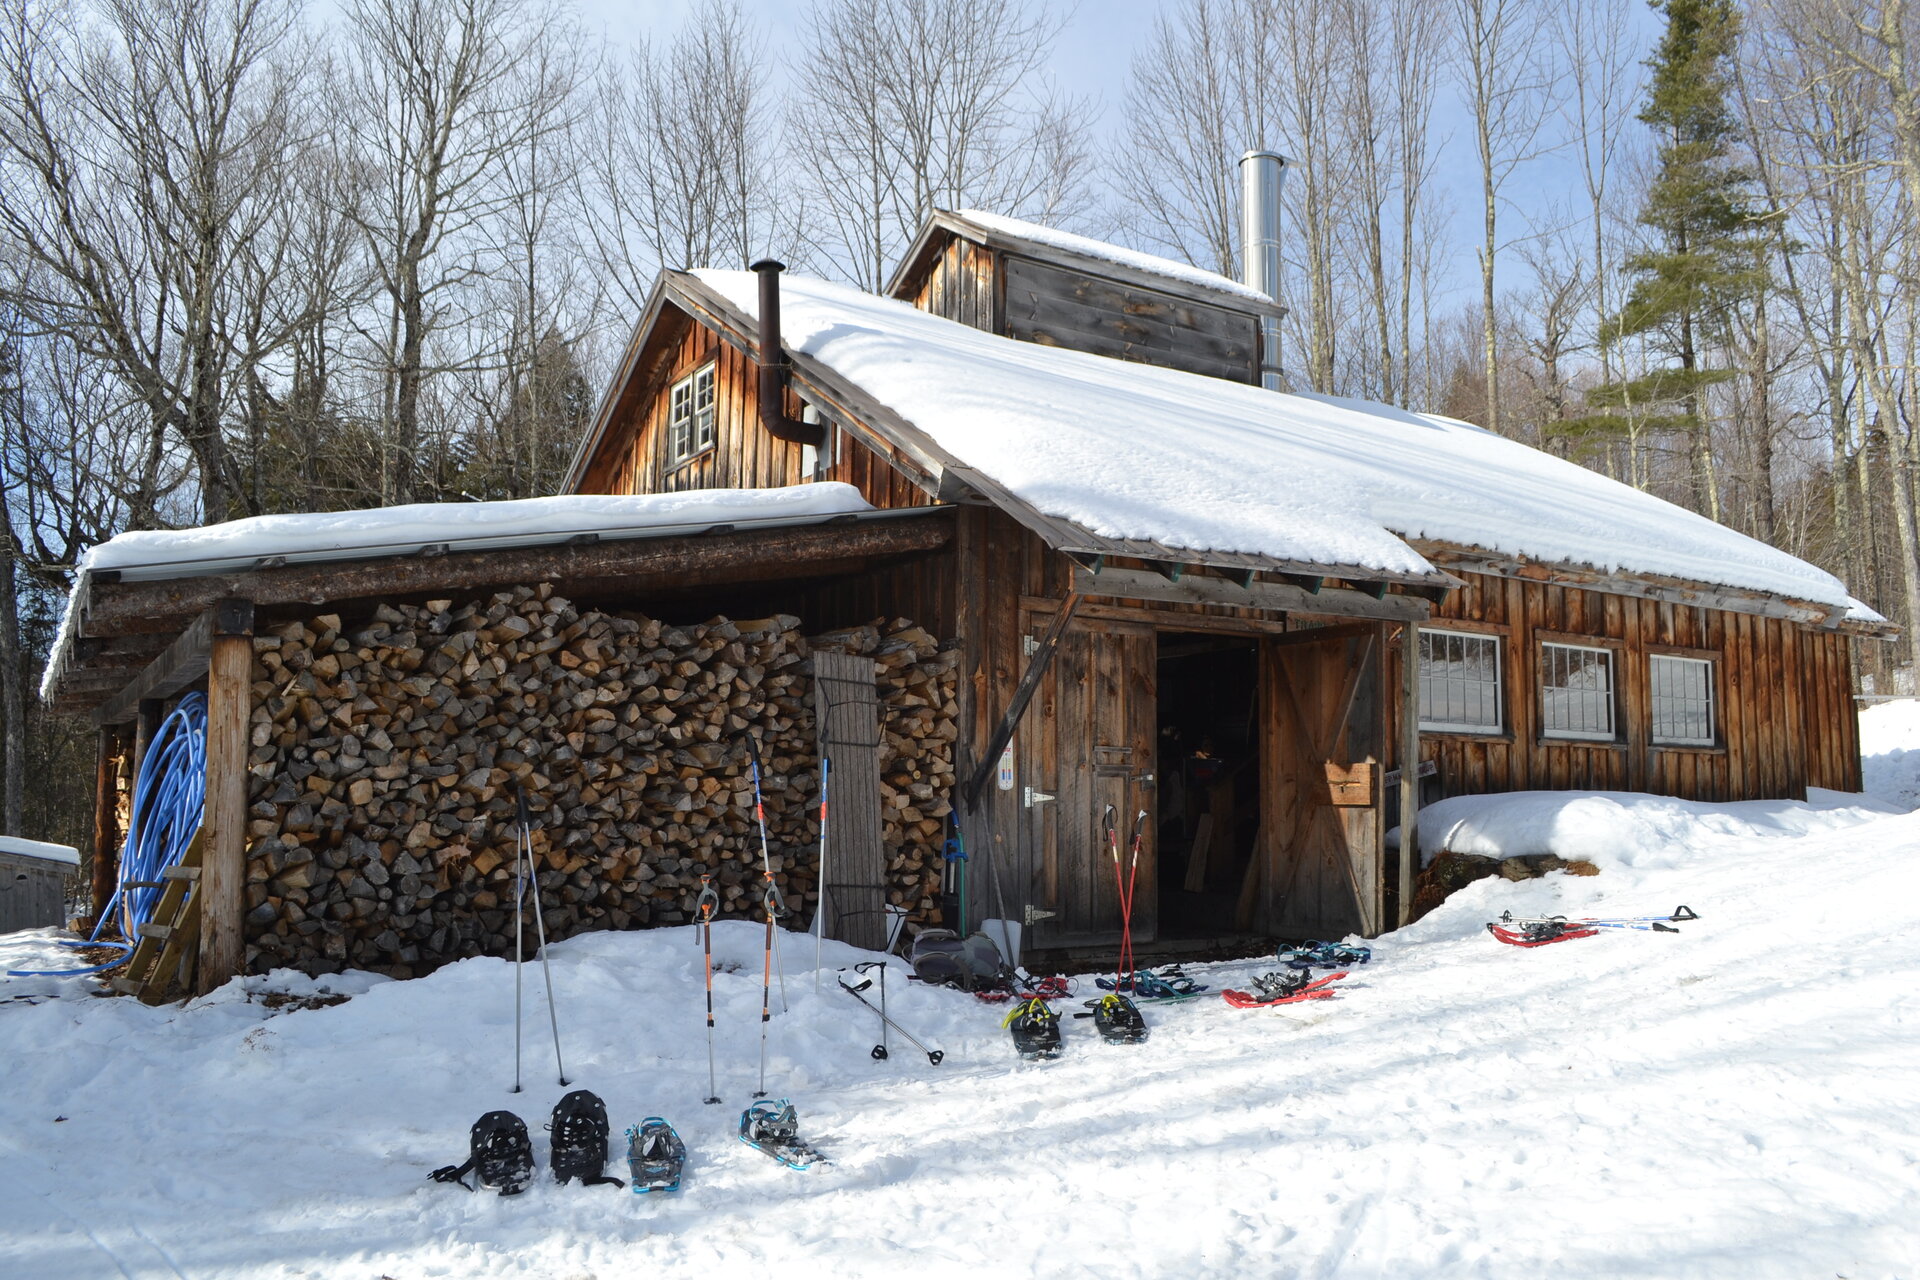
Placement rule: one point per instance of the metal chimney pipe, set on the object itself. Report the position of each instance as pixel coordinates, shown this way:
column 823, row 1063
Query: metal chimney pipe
column 774, row 368
column 1262, row 174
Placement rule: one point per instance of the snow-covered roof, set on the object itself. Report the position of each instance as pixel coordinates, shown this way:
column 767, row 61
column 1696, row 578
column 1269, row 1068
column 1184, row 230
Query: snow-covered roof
column 327, row 535
column 1100, row 250
column 452, row 526
column 1135, row 451
column 21, row 847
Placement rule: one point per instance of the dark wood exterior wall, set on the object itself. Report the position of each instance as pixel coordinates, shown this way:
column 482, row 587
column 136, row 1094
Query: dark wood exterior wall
column 1328, row 741
column 1082, row 312
column 1784, row 702
column 632, row 455
column 960, row 285
column 1008, row 294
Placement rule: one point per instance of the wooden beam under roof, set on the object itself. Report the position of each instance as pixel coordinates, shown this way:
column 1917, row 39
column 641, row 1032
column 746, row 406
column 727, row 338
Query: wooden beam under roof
column 1138, row 584
column 181, row 663
column 614, row 564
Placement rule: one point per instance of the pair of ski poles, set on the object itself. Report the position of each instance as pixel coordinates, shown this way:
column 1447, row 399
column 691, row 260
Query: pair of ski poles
column 1125, row 886
column 1655, row 924
column 523, row 872
column 709, row 905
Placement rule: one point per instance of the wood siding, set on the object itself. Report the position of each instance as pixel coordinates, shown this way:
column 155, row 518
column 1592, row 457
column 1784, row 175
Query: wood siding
column 1783, row 706
column 960, row 285
column 632, row 457
column 1081, row 312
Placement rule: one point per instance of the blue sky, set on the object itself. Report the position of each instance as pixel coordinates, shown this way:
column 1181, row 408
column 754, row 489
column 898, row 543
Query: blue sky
column 1091, row 59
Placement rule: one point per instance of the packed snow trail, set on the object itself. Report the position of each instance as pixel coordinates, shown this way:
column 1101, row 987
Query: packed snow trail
column 1741, row 1099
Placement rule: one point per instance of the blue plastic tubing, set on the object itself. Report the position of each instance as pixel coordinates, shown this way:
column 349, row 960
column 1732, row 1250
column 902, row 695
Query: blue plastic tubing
column 169, row 799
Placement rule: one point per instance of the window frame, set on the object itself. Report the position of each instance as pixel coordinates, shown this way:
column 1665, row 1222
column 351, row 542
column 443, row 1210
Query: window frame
column 1590, row 644
column 1705, row 658
column 687, row 438
column 1499, row 641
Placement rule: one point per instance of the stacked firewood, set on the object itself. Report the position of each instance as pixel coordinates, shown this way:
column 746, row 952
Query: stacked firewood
column 386, row 753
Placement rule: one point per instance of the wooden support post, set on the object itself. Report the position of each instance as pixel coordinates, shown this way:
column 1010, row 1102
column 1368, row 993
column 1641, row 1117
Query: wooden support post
column 847, row 711
column 223, row 876
column 106, row 818
column 1409, row 765
column 144, row 729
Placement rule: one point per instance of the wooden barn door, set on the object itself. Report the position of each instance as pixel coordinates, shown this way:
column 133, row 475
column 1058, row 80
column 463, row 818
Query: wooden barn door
column 1324, row 721
column 1087, row 742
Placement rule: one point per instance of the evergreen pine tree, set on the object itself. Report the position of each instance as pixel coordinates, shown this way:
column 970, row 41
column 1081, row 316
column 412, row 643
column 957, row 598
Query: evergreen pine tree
column 1707, row 252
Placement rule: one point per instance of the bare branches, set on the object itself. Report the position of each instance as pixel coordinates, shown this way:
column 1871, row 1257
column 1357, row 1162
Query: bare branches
column 906, row 106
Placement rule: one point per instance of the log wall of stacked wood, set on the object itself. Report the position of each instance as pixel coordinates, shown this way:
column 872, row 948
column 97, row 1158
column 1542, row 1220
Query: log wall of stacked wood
column 383, row 752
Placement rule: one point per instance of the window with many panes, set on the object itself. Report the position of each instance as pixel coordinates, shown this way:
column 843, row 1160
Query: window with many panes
column 690, row 416
column 1576, row 692
column 1682, row 691
column 1459, row 682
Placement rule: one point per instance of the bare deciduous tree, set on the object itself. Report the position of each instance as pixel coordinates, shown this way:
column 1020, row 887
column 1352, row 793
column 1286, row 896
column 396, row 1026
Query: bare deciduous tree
column 906, row 106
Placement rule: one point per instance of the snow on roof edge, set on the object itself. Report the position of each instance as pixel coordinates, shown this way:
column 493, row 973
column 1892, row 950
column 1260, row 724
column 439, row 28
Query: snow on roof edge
column 313, row 535
column 1120, row 255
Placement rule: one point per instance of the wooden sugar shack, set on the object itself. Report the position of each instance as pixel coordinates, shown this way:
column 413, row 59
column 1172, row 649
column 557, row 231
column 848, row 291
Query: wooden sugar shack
column 1112, row 570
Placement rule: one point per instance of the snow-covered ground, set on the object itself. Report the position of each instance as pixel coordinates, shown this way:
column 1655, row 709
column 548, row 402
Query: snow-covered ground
column 1740, row 1099
column 1890, row 751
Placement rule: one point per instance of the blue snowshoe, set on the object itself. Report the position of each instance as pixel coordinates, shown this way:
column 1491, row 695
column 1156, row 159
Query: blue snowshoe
column 773, row 1127
column 655, row 1156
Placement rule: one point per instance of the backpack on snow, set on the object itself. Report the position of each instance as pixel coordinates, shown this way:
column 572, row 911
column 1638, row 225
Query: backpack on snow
column 972, row 963
column 579, row 1129
column 499, row 1155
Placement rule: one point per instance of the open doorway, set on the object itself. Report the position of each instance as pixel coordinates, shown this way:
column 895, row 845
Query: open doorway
column 1209, row 778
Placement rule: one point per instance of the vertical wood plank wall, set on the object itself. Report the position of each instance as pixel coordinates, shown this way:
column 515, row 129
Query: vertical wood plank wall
column 960, row 286
column 1784, row 706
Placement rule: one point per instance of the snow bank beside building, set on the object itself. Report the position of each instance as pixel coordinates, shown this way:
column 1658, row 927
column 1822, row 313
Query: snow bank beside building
column 1890, row 752
column 1628, row 829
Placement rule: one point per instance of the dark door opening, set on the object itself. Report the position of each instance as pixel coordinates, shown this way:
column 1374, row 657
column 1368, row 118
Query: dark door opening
column 1210, row 775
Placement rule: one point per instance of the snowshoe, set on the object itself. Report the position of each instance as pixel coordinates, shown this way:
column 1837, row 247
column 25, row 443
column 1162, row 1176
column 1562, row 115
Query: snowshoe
column 655, row 1156
column 1117, row 1020
column 1323, row 955
column 1538, row 933
column 579, row 1129
column 1036, row 1029
column 1168, row 984
column 1270, row 989
column 773, row 1127
column 499, row 1155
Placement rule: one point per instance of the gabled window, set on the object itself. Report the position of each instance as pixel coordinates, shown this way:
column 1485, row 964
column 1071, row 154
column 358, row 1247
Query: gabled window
column 1682, row 700
column 1460, row 682
column 690, row 416
column 1576, row 692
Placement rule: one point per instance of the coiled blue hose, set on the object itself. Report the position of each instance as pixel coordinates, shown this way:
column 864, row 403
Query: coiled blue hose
column 169, row 800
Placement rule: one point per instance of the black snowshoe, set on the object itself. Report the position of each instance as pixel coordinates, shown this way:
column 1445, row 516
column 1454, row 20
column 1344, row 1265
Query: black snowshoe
column 579, row 1129
column 655, row 1156
column 1117, row 1019
column 499, row 1155
column 1281, row 986
column 773, row 1127
column 1036, row 1029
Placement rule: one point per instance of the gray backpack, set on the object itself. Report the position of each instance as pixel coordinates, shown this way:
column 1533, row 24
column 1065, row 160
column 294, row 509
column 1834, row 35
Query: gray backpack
column 972, row 963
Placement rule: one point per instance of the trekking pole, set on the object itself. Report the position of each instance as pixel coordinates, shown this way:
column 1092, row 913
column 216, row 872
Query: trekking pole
column 540, row 932
column 766, row 994
column 519, row 929
column 709, row 903
column 1133, row 882
column 820, row 897
column 934, row 1056
column 1122, row 976
column 766, row 865
column 880, row 1050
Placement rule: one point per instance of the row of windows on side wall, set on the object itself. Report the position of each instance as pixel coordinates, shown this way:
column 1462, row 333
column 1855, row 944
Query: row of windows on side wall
column 1461, row 691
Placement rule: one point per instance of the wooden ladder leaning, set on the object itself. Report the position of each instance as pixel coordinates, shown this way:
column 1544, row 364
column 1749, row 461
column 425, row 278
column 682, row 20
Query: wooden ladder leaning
column 164, row 954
